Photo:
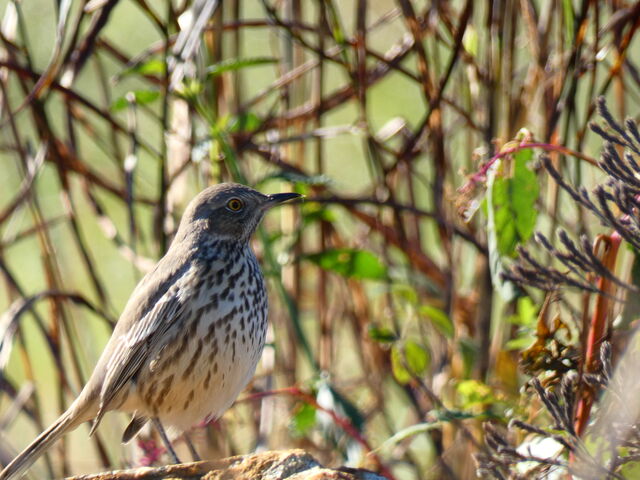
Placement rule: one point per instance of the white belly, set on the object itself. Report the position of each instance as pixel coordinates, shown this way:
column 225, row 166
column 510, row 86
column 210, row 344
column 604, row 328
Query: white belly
column 210, row 358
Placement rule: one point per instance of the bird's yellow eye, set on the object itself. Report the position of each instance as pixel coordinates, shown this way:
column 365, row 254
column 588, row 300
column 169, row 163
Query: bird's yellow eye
column 235, row 204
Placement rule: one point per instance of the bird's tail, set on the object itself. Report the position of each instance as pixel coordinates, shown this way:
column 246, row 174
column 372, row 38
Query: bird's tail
column 66, row 422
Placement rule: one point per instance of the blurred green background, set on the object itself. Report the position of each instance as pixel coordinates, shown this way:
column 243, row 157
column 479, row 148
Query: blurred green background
column 384, row 302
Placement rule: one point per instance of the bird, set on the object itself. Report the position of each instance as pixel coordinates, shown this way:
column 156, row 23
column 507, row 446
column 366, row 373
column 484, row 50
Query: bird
column 192, row 332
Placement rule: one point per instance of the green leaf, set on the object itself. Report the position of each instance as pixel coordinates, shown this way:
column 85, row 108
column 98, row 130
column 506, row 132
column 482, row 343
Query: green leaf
column 381, row 334
column 511, row 215
column 233, row 64
column 470, row 40
column 303, row 419
column 474, row 393
column 526, row 317
column 405, row 292
column 526, row 313
column 417, row 357
column 408, row 360
column 513, row 202
column 351, row 263
column 142, row 97
column 525, row 193
column 189, row 90
column 150, row 67
column 630, row 469
column 246, row 122
column 315, row 212
column 469, row 352
column 439, row 319
column 400, row 373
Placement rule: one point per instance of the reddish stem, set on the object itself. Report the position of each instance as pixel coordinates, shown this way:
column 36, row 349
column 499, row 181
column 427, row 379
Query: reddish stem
column 481, row 174
column 597, row 328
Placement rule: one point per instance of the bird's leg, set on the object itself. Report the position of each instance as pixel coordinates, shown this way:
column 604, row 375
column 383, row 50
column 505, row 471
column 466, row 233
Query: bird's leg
column 192, row 448
column 165, row 440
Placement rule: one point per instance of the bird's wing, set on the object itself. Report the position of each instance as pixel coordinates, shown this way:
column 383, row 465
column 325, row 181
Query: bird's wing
column 154, row 307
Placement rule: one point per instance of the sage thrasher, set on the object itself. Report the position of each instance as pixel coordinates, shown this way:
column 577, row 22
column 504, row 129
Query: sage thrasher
column 190, row 336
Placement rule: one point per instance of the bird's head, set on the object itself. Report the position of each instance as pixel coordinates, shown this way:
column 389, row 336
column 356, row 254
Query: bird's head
column 229, row 210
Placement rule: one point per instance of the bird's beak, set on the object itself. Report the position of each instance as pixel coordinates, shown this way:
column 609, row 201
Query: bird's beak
column 278, row 198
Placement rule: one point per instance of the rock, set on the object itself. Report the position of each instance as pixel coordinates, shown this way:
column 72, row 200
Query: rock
column 276, row 465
